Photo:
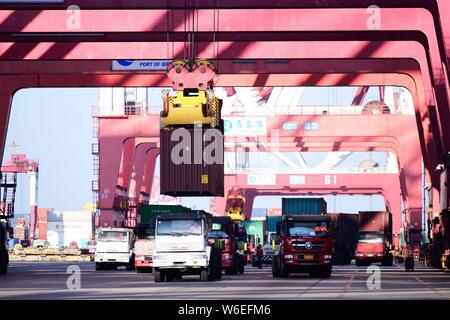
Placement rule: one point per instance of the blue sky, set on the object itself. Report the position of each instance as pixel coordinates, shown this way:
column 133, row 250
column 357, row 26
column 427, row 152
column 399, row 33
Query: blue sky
column 55, row 127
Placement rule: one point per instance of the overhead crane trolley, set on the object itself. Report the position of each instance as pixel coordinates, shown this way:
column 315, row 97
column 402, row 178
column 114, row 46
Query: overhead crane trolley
column 194, row 102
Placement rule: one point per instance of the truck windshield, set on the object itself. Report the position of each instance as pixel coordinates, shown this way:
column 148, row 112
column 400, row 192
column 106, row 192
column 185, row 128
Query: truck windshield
column 371, row 237
column 179, row 227
column 218, row 234
column 113, row 236
column 145, row 231
column 309, row 229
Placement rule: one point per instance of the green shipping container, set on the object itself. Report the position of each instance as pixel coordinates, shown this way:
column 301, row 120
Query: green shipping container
column 297, row 206
column 255, row 227
column 149, row 212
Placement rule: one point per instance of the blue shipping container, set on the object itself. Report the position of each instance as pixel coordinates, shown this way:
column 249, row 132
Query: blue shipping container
column 272, row 223
column 297, row 206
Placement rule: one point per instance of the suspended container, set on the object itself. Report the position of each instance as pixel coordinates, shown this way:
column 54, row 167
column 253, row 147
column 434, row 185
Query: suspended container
column 190, row 163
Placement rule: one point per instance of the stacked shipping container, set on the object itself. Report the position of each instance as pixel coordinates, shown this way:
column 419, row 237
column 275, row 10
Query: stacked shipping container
column 297, row 206
column 64, row 227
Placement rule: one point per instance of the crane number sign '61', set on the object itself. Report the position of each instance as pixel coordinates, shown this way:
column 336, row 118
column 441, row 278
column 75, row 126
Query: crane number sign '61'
column 330, row 179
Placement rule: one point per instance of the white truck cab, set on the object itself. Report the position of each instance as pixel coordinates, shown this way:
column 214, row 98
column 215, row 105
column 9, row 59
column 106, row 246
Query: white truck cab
column 114, row 248
column 182, row 248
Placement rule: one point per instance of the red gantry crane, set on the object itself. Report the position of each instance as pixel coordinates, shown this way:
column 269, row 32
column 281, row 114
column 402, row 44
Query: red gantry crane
column 19, row 163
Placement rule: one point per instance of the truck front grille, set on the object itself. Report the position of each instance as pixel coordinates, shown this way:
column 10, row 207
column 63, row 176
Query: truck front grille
column 315, row 246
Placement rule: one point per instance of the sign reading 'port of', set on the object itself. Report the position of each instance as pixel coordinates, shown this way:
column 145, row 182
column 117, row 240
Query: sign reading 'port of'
column 140, row 65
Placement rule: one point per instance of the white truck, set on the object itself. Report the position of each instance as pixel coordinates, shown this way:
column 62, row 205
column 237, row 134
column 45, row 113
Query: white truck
column 114, row 248
column 182, row 248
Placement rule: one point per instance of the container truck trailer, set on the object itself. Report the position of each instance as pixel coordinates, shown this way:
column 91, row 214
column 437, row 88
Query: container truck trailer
column 374, row 238
column 182, row 248
column 224, row 232
column 344, row 230
column 306, row 246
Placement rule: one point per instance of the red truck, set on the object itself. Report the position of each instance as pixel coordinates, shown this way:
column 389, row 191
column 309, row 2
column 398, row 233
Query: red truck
column 224, row 232
column 143, row 248
column 374, row 238
column 306, row 246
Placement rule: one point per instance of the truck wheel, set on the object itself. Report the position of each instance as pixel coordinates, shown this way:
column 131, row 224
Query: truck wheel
column 219, row 273
column 427, row 261
column 326, row 273
column 275, row 267
column 204, row 275
column 211, row 272
column 235, row 267
column 241, row 266
column 98, row 266
column 170, row 276
column 387, row 261
column 178, row 275
column 283, row 270
column 218, row 266
column 158, row 276
column 358, row 263
column 4, row 259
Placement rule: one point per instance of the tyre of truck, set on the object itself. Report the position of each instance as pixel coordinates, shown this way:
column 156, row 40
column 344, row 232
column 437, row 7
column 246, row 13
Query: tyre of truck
column 4, row 256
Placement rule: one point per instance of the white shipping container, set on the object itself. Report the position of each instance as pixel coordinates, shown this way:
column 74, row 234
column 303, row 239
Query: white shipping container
column 65, row 227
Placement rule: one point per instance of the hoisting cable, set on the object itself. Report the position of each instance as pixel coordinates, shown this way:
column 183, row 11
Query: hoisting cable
column 167, row 35
column 185, row 29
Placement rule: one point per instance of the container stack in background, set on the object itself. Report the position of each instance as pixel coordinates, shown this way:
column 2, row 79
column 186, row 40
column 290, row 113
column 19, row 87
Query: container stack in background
column 41, row 223
column 21, row 233
column 66, row 227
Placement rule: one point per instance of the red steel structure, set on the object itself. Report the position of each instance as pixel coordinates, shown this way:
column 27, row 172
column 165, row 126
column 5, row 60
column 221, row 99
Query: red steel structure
column 17, row 164
column 31, row 38
column 121, row 153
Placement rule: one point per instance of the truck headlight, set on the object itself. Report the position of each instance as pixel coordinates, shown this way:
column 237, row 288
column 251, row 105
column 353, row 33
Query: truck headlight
column 227, row 257
column 288, row 256
column 359, row 254
column 327, row 257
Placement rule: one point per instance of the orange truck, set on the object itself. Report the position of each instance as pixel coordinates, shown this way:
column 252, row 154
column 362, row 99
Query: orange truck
column 374, row 238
